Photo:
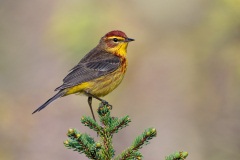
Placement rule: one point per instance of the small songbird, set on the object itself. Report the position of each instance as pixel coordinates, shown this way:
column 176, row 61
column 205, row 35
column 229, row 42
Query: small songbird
column 99, row 72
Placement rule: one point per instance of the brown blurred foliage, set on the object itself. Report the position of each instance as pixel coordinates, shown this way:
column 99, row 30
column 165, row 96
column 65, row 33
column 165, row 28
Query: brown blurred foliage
column 183, row 76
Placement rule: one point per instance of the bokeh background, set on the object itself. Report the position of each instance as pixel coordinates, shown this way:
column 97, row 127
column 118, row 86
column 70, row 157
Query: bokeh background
column 183, row 76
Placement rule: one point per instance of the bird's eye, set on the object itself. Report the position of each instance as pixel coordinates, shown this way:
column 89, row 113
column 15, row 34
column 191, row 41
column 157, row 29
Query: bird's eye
column 115, row 40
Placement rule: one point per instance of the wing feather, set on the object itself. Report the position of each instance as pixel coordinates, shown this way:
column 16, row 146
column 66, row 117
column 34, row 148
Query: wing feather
column 94, row 65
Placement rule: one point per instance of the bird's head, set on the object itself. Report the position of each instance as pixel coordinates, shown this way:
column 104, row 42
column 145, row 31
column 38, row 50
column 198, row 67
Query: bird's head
column 115, row 42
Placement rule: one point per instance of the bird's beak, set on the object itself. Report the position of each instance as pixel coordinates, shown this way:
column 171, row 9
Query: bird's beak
column 129, row 40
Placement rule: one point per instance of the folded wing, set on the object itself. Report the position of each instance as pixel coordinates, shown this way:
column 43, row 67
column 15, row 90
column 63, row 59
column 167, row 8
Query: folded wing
column 92, row 66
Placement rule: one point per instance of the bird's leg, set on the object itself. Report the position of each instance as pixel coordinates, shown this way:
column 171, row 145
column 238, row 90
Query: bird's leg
column 90, row 105
column 103, row 101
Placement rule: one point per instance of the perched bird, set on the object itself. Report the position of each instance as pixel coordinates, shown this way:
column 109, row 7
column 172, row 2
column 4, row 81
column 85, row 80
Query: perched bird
column 99, row 72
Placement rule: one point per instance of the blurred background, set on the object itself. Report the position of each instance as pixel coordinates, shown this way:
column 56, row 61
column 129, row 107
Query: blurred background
column 183, row 76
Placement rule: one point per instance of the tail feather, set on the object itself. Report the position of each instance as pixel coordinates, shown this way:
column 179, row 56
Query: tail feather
column 59, row 94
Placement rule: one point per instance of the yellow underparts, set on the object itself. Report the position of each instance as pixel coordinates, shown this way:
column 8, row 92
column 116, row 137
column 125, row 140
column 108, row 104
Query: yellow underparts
column 100, row 86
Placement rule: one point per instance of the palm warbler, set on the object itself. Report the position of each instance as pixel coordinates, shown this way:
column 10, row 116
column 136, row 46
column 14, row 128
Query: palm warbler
column 99, row 72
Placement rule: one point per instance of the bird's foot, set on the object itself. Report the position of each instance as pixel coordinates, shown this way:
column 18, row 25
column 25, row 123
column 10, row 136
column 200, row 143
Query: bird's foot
column 105, row 103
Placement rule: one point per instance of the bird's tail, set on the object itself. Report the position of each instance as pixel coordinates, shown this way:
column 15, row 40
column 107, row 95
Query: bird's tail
column 59, row 94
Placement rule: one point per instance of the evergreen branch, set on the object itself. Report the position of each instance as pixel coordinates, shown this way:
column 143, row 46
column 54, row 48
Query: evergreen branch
column 119, row 124
column 82, row 143
column 137, row 155
column 104, row 115
column 108, row 150
column 88, row 121
column 177, row 156
column 103, row 149
column 138, row 143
